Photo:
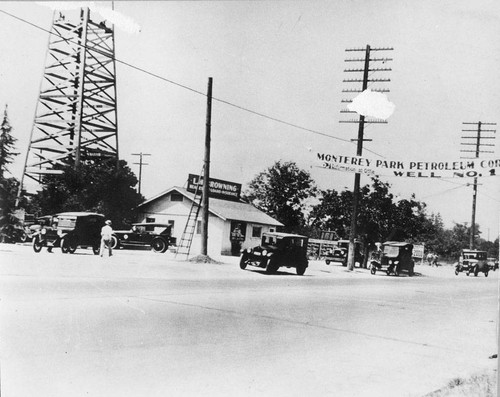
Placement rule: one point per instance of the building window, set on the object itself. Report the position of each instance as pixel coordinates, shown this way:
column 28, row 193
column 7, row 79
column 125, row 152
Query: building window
column 176, row 197
column 271, row 230
column 198, row 227
column 150, row 228
column 256, row 231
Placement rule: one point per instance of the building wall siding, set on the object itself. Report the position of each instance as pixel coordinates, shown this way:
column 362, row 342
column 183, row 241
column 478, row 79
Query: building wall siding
column 164, row 210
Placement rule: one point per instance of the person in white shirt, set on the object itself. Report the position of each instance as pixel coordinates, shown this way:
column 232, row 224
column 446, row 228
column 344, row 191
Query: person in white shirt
column 106, row 233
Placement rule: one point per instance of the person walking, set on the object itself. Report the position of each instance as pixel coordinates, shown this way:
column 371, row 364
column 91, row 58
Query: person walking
column 106, row 238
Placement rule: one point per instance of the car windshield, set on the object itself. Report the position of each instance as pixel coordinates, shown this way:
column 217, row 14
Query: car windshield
column 474, row 255
column 391, row 251
column 67, row 223
column 270, row 240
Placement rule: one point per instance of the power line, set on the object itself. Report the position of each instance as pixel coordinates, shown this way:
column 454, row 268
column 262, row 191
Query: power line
column 157, row 76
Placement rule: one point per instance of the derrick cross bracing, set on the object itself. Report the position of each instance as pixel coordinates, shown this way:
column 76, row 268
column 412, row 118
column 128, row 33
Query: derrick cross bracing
column 76, row 115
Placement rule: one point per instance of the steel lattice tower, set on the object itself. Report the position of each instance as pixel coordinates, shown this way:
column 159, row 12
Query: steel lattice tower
column 76, row 114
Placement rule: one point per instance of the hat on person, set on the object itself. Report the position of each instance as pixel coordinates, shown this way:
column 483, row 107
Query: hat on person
column 108, row 222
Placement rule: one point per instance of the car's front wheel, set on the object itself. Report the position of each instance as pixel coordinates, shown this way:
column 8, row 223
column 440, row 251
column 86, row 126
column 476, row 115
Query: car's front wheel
column 37, row 244
column 114, row 242
column 301, row 270
column 373, row 269
column 272, row 266
column 70, row 244
column 23, row 237
column 159, row 245
column 243, row 262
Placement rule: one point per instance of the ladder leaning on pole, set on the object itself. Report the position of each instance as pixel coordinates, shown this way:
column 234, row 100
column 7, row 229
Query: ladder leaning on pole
column 184, row 246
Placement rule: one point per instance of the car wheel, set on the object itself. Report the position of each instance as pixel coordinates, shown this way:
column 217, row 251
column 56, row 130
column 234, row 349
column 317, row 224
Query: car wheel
column 243, row 262
column 301, row 270
column 396, row 271
column 23, row 237
column 37, row 245
column 456, row 272
column 485, row 274
column 114, row 242
column 327, row 262
column 158, row 245
column 373, row 269
column 64, row 246
column 72, row 245
column 476, row 271
column 272, row 267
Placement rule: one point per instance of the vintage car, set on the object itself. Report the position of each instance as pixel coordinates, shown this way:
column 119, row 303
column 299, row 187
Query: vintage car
column 158, row 239
column 394, row 257
column 472, row 261
column 493, row 263
column 44, row 233
column 277, row 250
column 339, row 253
column 69, row 230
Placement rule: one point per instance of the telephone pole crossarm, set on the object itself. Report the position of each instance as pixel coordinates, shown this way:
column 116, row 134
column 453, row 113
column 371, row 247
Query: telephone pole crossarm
column 140, row 163
column 477, row 151
column 365, row 78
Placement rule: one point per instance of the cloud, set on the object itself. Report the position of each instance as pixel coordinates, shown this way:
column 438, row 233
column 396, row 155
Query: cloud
column 119, row 20
column 373, row 104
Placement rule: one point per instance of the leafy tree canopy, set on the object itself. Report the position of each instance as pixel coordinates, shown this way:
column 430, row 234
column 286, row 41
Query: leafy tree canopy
column 106, row 188
column 281, row 191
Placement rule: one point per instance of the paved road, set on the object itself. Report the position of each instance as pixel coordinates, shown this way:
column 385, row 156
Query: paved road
column 144, row 324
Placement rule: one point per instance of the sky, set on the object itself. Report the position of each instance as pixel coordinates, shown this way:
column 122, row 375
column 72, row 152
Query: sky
column 284, row 60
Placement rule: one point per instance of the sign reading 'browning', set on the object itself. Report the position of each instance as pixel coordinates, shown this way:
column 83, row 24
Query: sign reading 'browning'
column 216, row 188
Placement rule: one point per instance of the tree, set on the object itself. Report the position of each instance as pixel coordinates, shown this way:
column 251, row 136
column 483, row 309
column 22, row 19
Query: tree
column 380, row 217
column 281, row 191
column 332, row 213
column 106, row 188
column 8, row 186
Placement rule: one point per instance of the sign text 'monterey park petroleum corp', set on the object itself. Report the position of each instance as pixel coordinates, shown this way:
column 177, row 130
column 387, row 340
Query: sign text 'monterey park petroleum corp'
column 216, row 188
column 462, row 168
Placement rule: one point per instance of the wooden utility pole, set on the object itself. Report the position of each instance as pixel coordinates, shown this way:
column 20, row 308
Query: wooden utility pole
column 140, row 163
column 477, row 150
column 206, row 174
column 361, row 127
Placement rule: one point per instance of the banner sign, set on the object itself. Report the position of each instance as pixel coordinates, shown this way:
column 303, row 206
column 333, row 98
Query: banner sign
column 216, row 188
column 462, row 168
column 418, row 251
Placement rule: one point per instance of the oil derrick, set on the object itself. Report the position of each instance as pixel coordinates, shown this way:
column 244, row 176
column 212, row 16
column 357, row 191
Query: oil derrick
column 76, row 118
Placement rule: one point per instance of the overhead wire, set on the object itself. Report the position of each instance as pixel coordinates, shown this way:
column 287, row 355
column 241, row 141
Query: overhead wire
column 157, row 76
column 234, row 105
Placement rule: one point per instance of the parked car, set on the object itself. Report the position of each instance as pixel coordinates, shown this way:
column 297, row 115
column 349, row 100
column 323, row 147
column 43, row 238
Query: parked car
column 493, row 263
column 70, row 230
column 277, row 250
column 394, row 257
column 472, row 261
column 44, row 233
column 340, row 251
column 139, row 236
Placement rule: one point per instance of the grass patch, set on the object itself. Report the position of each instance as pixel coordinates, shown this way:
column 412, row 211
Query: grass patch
column 483, row 385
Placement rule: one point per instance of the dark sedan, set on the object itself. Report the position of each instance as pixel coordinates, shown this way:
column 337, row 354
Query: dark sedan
column 157, row 236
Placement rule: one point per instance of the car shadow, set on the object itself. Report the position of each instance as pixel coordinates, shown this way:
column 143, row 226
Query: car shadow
column 279, row 273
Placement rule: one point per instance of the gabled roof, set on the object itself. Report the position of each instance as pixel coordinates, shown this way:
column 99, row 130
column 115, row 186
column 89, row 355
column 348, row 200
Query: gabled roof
column 224, row 209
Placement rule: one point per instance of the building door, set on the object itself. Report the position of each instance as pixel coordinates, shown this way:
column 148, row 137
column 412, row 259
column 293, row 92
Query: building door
column 237, row 236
